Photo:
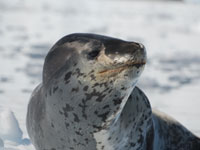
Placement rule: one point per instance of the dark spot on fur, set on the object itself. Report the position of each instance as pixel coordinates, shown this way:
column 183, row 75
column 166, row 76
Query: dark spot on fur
column 94, row 93
column 67, row 109
column 92, row 71
column 106, row 106
column 86, row 140
column 96, row 84
column 83, row 106
column 96, row 112
column 75, row 89
column 100, row 98
column 117, row 101
column 132, row 144
column 79, row 82
column 110, row 91
column 55, row 89
column 92, row 77
column 66, row 125
column 102, row 147
column 78, row 72
column 67, row 77
column 85, row 88
column 103, row 116
column 123, row 88
column 99, row 128
column 74, row 140
column 78, row 133
column 76, row 119
column 60, row 112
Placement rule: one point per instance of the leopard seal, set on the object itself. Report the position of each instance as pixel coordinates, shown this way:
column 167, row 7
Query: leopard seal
column 88, row 100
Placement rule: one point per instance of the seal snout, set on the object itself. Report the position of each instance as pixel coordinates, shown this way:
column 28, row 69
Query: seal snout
column 124, row 56
column 126, row 52
column 139, row 56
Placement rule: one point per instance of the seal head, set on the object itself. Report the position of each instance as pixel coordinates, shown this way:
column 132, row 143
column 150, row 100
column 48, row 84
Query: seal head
column 105, row 56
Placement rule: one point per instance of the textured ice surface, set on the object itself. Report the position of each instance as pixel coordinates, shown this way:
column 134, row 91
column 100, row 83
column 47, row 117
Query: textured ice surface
column 9, row 126
column 10, row 131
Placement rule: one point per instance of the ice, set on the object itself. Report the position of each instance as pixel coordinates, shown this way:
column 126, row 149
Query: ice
column 1, row 144
column 10, row 131
column 9, row 126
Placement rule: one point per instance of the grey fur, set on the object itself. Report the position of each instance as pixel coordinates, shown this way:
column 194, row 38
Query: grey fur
column 88, row 100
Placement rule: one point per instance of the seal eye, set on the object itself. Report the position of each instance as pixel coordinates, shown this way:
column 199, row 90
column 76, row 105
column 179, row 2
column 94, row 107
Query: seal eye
column 93, row 54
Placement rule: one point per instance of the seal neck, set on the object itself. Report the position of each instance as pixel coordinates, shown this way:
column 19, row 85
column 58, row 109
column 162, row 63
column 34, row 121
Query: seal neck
column 118, row 120
column 130, row 129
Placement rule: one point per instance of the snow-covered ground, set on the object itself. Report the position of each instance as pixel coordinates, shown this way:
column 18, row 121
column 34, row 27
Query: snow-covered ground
column 169, row 30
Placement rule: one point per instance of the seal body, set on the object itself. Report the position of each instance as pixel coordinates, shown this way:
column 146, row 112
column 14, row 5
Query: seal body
column 88, row 100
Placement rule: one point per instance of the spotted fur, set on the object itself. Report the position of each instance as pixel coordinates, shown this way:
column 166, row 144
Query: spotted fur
column 88, row 100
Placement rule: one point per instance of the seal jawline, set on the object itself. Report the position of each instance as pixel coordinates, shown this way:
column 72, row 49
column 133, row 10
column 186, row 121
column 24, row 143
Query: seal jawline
column 121, row 68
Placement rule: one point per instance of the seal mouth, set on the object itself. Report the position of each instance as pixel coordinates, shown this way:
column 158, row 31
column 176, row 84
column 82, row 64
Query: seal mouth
column 118, row 69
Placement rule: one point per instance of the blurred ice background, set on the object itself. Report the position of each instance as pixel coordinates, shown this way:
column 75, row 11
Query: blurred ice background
column 170, row 30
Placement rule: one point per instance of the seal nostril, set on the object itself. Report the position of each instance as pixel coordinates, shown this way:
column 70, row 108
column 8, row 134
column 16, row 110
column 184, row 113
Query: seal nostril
column 141, row 46
column 138, row 45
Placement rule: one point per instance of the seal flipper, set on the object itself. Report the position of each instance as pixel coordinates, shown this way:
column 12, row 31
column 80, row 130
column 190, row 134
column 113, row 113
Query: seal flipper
column 170, row 134
column 34, row 116
column 136, row 121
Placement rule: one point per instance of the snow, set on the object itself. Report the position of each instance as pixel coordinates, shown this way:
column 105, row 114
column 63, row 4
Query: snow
column 169, row 30
column 9, row 126
column 9, row 129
